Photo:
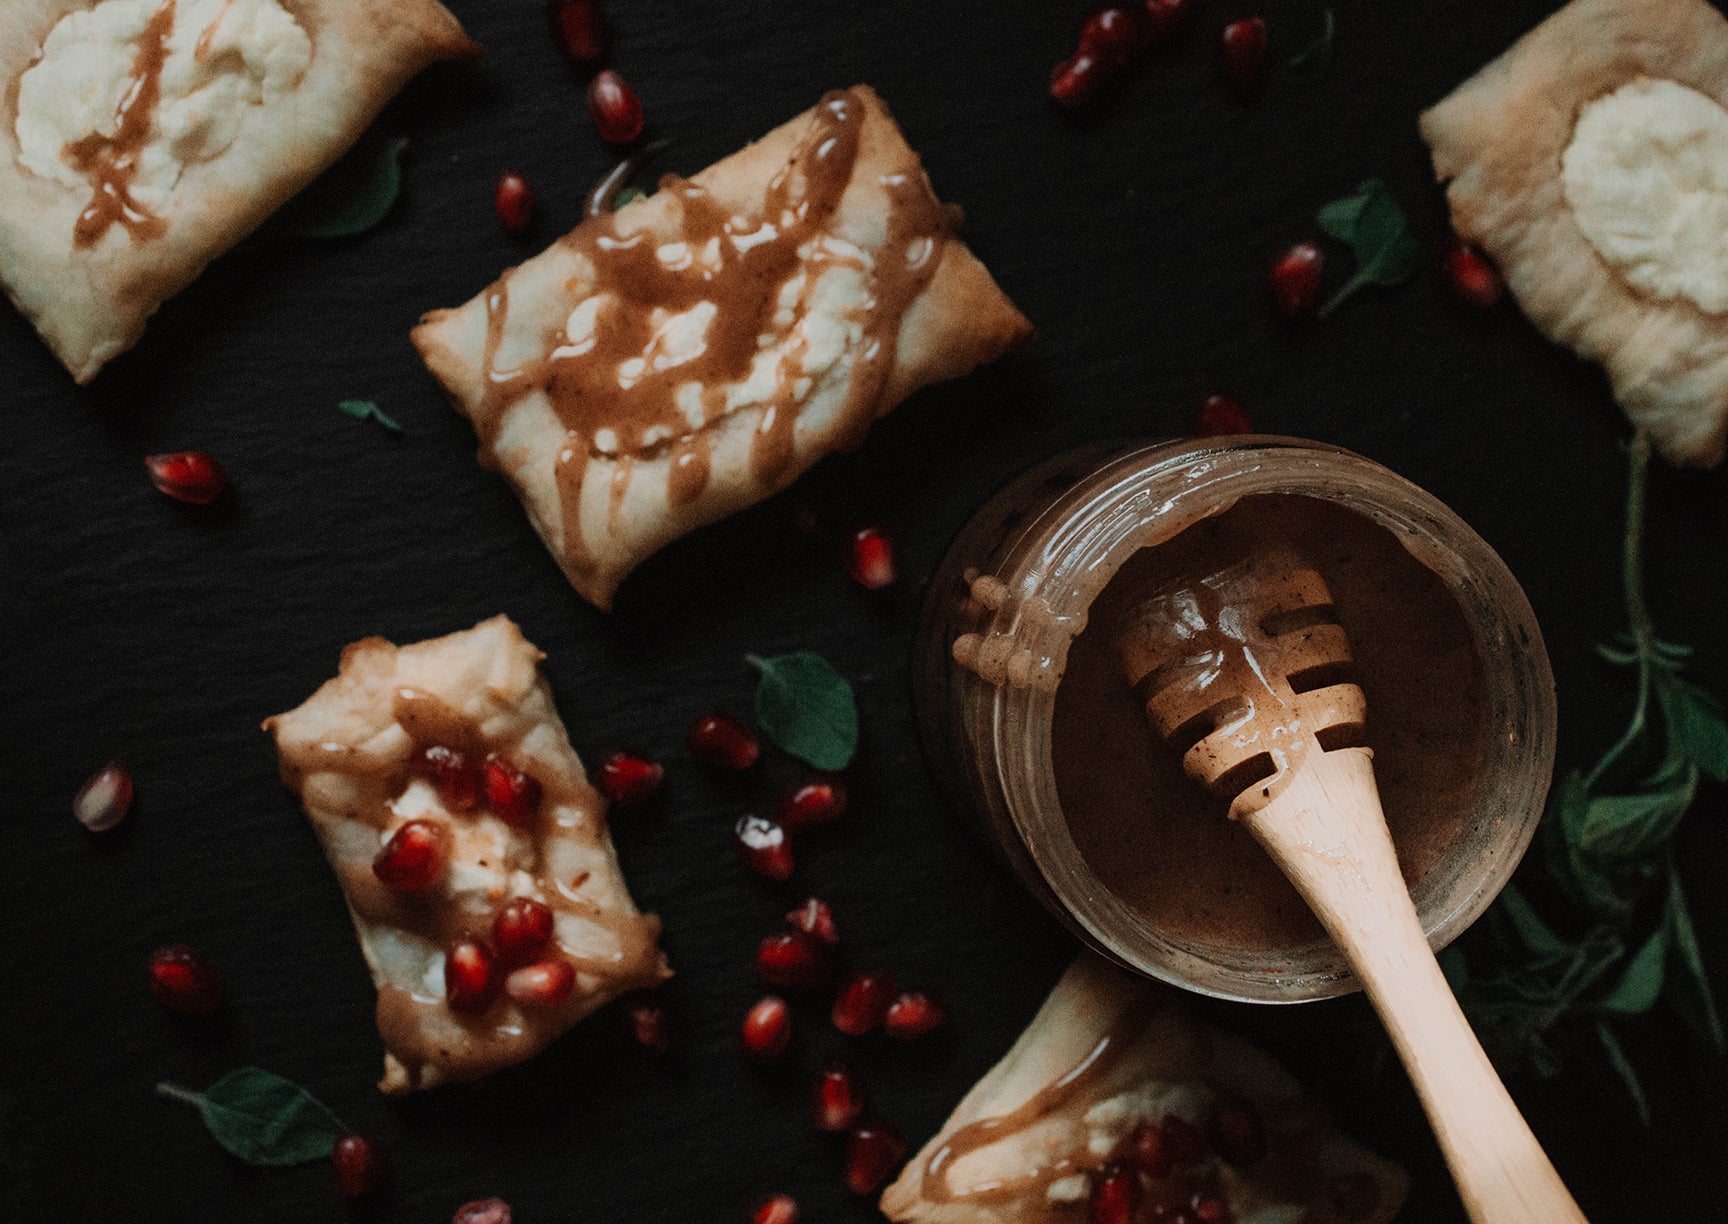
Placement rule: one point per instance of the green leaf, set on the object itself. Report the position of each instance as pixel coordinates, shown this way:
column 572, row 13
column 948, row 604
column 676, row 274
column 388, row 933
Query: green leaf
column 1374, row 226
column 628, row 196
column 1544, row 946
column 366, row 410
column 262, row 1118
column 1696, row 1001
column 1640, row 984
column 1623, row 1067
column 355, row 194
column 808, row 708
column 1694, row 719
column 1617, row 656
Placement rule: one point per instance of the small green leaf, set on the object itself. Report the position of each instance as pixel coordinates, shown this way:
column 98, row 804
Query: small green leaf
column 1697, row 1001
column 366, row 410
column 1640, row 984
column 808, row 708
column 1694, row 718
column 628, row 196
column 1623, row 1067
column 262, row 1118
column 355, row 194
column 1374, row 226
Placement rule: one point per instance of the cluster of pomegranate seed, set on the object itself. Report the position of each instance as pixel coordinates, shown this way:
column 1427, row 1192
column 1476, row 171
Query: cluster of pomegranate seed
column 765, row 845
column 513, row 199
column 192, row 477
column 1113, row 40
column 1155, row 1150
column 483, row 1211
column 103, row 800
column 183, row 982
column 359, row 1166
column 629, row 779
column 1220, row 414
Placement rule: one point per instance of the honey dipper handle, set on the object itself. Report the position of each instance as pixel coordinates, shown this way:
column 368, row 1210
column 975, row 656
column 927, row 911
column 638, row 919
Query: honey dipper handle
column 1327, row 832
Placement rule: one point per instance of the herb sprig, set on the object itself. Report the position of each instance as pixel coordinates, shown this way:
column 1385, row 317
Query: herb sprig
column 1618, row 937
column 1378, row 235
column 263, row 1119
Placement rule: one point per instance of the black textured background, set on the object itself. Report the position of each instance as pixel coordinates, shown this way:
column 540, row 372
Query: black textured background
column 139, row 628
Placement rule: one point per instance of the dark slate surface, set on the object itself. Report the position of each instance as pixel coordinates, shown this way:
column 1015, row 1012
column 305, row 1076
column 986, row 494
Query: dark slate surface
column 137, row 627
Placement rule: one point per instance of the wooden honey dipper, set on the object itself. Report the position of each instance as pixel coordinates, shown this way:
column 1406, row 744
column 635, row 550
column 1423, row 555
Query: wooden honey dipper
column 1248, row 673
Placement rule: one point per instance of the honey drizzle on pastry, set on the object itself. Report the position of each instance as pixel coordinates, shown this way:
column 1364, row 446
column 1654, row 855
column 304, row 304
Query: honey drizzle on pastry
column 208, row 37
column 111, row 162
column 738, row 265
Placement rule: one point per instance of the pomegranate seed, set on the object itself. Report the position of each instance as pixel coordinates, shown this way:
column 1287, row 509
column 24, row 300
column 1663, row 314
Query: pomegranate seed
column 629, row 779
column 1293, row 280
column 1116, row 1195
column 188, row 476
column 1209, row 1209
column 616, row 109
column 875, row 1151
column 102, row 802
column 513, row 199
column 1076, row 81
column 764, row 847
column 453, row 776
column 1471, row 276
column 1242, row 54
column 862, row 1002
column 579, row 27
column 414, row 857
column 359, row 1165
column 482, row 1211
column 1114, row 34
column 818, row 801
column 767, row 1028
column 870, row 558
column 1147, row 1152
column 650, row 1024
column 815, row 918
column 513, row 796
column 1182, row 1140
column 470, row 976
column 780, row 1209
column 184, row 982
column 722, row 742
column 1165, row 19
column 836, row 1099
column 1236, row 1133
column 793, row 960
column 545, row 983
column 522, row 930
column 1221, row 414
column 915, row 1014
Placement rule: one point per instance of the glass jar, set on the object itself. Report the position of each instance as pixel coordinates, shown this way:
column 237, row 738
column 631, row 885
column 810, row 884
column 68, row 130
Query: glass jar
column 1048, row 542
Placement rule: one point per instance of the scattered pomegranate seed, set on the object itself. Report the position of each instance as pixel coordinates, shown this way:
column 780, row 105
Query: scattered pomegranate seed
column 1146, row 1151
column 513, row 199
column 102, row 802
column 1221, row 414
column 650, row 1024
column 513, row 796
column 545, row 983
column 629, row 779
column 1115, row 34
column 1293, row 279
column 579, row 27
column 914, row 1014
column 522, row 930
column 1182, row 1140
column 836, row 1099
column 470, row 976
column 818, row 800
column 414, row 857
column 764, row 847
column 483, row 1211
column 780, row 1209
column 870, row 558
column 793, row 960
column 1209, row 1209
column 1242, row 54
column 1236, row 1132
column 1076, row 81
column 616, row 109
column 815, row 918
column 862, row 1001
column 766, row 1029
column 189, row 476
column 184, row 982
column 1165, row 19
column 1116, row 1196
column 875, row 1150
column 359, row 1165
column 453, row 776
column 722, row 742
column 1471, row 276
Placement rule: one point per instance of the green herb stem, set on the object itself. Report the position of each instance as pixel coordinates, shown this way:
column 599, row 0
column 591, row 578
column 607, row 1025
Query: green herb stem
column 1637, row 611
column 175, row 1092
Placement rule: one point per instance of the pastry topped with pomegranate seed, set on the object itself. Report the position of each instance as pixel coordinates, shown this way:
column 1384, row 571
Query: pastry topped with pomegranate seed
column 1117, row 1106
column 473, row 852
column 1591, row 161
column 663, row 366
column 143, row 138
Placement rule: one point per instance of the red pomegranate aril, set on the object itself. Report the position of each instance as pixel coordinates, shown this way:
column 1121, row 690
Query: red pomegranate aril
column 722, row 742
column 470, row 976
column 793, row 960
column 862, row 1001
column 483, row 1211
column 914, row 1014
column 1182, row 1140
column 453, row 775
column 815, row 918
column 1471, row 276
column 649, row 1023
column 414, row 857
column 1293, row 280
column 1076, row 81
column 836, row 1099
column 579, row 27
column 189, row 476
column 875, row 1150
column 1116, row 1196
column 522, row 930
column 1219, row 415
column 103, row 800
column 1209, row 1209
column 1115, row 34
column 1147, row 1152
column 513, row 199
column 359, row 1165
column 616, row 109
column 780, row 1209
column 1236, row 1132
column 870, row 558
column 1242, row 54
column 767, row 1028
column 763, row 847
column 183, row 982
column 1165, row 19
column 629, row 779
column 513, row 796
column 819, row 800
column 545, row 983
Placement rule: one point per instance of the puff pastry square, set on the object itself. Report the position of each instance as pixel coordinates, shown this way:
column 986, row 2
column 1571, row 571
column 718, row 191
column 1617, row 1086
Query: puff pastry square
column 143, row 138
column 664, row 366
column 353, row 753
column 1591, row 160
column 1106, row 1054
